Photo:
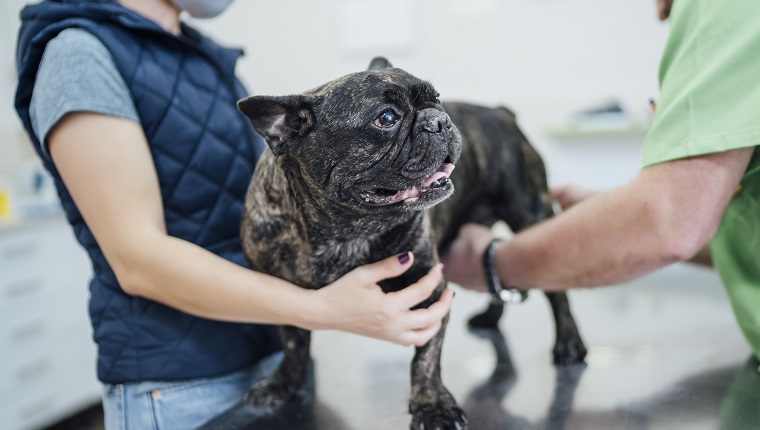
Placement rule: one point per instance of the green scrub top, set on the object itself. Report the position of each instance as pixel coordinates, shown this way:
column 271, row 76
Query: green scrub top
column 710, row 102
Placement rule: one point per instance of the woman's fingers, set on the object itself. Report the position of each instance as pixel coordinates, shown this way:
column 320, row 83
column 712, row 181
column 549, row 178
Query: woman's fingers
column 420, row 337
column 422, row 324
column 356, row 304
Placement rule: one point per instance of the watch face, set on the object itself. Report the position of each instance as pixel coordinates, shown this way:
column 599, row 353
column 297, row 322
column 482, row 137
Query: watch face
column 513, row 295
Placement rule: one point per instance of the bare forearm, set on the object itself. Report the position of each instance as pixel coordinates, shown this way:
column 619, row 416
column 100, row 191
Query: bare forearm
column 608, row 239
column 184, row 276
column 669, row 213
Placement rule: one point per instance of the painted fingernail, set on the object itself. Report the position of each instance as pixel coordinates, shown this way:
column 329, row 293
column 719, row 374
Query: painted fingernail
column 404, row 258
column 443, row 268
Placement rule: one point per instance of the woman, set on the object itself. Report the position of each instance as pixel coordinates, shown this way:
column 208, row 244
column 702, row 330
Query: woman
column 133, row 113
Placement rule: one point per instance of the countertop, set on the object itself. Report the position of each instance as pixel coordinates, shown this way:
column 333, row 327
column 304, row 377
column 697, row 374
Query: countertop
column 664, row 353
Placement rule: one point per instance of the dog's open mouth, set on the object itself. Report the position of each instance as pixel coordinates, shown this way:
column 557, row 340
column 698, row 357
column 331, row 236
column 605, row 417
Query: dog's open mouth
column 435, row 186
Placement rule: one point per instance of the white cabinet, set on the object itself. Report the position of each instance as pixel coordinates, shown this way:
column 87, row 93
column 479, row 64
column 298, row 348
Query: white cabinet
column 47, row 356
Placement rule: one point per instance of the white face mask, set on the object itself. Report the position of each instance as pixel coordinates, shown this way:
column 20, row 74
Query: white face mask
column 203, row 8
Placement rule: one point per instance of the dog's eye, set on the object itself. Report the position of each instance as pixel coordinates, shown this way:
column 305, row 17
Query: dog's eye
column 387, row 119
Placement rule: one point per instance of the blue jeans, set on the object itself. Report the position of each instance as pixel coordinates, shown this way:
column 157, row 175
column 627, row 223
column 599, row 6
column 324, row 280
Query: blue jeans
column 178, row 405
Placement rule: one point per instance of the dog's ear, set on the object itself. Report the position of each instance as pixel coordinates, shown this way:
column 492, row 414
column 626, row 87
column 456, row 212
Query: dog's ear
column 379, row 63
column 280, row 119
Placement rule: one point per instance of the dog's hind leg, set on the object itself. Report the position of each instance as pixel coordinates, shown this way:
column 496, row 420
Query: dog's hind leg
column 289, row 379
column 430, row 403
column 490, row 316
column 568, row 347
column 530, row 203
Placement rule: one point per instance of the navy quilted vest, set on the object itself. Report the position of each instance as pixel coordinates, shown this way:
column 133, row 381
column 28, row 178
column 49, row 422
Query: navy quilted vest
column 204, row 150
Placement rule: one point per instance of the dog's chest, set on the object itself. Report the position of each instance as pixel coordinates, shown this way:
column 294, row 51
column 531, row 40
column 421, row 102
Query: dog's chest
column 342, row 254
column 333, row 258
column 286, row 247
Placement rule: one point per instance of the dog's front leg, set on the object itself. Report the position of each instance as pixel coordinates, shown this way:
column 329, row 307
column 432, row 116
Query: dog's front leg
column 431, row 404
column 290, row 377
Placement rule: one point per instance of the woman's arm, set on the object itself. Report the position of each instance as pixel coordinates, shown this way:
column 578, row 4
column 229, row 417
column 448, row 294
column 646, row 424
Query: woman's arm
column 107, row 167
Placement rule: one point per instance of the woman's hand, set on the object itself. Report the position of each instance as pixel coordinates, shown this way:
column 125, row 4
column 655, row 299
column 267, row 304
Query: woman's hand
column 356, row 303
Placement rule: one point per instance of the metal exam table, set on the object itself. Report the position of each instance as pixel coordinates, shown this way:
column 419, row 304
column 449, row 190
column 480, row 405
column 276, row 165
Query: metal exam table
column 664, row 353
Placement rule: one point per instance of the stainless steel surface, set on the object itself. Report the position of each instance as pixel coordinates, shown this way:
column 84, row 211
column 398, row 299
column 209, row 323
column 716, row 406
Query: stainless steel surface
column 664, row 353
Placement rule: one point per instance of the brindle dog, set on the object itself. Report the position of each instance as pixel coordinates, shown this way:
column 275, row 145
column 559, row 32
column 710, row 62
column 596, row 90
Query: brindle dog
column 351, row 170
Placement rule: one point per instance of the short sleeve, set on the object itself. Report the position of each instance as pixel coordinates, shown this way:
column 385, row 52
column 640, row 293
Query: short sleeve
column 77, row 74
column 709, row 93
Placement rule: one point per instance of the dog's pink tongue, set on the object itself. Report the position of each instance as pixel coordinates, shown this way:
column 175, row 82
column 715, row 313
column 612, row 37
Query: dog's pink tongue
column 443, row 172
column 410, row 193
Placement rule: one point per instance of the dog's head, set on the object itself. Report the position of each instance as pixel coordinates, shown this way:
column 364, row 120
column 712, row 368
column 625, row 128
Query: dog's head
column 377, row 139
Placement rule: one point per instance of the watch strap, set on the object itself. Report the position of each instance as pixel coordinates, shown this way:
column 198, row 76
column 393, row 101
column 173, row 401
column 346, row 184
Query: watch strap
column 497, row 290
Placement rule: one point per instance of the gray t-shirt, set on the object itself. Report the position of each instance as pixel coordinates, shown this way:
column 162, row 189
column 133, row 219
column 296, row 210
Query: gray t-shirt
column 77, row 74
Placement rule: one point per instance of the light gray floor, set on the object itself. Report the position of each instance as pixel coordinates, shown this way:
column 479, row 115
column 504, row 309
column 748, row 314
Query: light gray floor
column 664, row 353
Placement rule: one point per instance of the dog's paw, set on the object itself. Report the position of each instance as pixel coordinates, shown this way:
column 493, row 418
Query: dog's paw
column 569, row 351
column 443, row 415
column 270, row 394
column 489, row 318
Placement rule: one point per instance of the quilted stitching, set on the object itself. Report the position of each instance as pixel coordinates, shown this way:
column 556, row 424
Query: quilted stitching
column 182, row 95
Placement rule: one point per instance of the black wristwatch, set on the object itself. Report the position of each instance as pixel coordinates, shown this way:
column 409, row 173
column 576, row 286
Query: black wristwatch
column 498, row 292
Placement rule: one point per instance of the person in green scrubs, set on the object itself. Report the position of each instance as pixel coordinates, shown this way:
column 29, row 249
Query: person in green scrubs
column 699, row 187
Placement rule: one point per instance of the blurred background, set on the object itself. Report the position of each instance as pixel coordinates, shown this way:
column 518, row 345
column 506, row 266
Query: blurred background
column 580, row 75
column 548, row 60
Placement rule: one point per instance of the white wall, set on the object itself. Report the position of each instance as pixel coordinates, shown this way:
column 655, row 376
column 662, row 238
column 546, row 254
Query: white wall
column 543, row 58
column 13, row 148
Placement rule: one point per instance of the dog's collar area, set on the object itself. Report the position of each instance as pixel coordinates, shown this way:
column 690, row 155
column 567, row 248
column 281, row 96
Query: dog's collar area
column 498, row 292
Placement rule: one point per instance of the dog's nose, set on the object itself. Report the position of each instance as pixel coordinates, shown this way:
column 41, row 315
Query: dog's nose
column 436, row 123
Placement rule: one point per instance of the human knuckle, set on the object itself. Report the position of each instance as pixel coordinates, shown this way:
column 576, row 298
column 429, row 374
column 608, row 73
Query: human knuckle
column 362, row 276
column 426, row 288
column 387, row 313
column 388, row 265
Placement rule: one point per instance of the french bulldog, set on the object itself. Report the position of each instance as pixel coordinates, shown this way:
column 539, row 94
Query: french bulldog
column 361, row 168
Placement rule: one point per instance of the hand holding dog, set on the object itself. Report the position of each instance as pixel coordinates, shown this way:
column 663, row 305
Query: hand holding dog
column 464, row 258
column 356, row 303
